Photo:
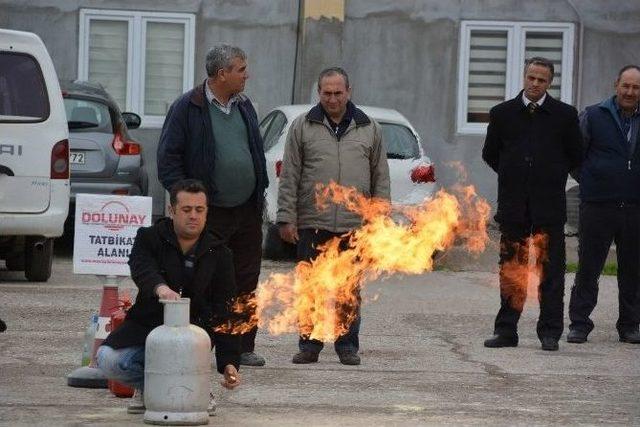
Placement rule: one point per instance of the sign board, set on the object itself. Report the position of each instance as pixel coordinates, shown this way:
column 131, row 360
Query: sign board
column 105, row 229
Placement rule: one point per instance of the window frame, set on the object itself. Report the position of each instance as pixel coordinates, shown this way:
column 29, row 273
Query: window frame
column 136, row 53
column 516, row 41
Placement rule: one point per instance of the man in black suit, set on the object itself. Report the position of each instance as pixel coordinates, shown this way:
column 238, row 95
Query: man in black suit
column 532, row 142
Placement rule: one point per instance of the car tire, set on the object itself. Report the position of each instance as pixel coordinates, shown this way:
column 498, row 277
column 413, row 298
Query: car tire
column 38, row 259
column 274, row 248
column 15, row 262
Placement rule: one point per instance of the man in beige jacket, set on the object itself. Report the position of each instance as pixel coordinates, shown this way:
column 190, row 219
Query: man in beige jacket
column 334, row 141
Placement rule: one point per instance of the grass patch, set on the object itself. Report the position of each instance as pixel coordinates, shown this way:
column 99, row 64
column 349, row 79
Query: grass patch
column 610, row 269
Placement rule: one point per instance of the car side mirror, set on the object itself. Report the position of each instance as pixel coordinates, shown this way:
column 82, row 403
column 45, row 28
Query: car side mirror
column 132, row 120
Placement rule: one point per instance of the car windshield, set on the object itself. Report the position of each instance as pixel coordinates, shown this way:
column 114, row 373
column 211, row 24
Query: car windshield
column 23, row 93
column 400, row 141
column 84, row 115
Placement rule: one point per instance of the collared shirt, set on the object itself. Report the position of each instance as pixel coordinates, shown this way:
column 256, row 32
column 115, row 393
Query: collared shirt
column 215, row 101
column 340, row 128
column 539, row 102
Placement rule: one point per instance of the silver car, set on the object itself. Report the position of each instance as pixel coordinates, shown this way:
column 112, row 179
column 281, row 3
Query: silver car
column 104, row 158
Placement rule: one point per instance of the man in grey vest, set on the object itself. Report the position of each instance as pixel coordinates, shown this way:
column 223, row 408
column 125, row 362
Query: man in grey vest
column 211, row 134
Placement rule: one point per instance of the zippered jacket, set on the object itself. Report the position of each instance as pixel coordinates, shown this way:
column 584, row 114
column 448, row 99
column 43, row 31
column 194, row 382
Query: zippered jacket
column 186, row 147
column 611, row 169
column 314, row 155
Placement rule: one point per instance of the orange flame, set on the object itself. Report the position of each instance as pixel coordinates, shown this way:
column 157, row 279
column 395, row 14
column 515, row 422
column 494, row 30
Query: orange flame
column 318, row 298
column 520, row 276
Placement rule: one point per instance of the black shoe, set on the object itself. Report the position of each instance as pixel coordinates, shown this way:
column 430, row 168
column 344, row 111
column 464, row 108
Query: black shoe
column 576, row 337
column 497, row 341
column 304, row 357
column 632, row 337
column 251, row 359
column 349, row 358
column 549, row 344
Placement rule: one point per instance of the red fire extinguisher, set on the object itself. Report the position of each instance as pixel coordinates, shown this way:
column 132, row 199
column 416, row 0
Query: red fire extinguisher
column 117, row 317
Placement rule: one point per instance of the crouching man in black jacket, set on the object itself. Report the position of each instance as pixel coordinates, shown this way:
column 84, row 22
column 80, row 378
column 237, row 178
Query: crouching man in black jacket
column 173, row 258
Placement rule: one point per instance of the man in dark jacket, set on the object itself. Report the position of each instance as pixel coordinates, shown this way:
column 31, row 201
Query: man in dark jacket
column 173, row 258
column 532, row 142
column 610, row 207
column 211, row 133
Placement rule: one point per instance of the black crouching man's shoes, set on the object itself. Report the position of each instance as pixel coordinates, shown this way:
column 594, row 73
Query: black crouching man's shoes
column 251, row 359
column 632, row 337
column 549, row 344
column 497, row 341
column 576, row 337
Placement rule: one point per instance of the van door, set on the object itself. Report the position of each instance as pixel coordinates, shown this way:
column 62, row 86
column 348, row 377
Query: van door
column 25, row 144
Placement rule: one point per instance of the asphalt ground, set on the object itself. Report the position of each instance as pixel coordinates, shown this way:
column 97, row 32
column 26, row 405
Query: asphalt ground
column 423, row 362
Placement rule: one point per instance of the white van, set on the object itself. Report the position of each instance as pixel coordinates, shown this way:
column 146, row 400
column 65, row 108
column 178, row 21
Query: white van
column 34, row 155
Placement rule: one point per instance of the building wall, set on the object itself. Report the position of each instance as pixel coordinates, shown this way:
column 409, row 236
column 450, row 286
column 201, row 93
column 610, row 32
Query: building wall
column 400, row 54
column 404, row 55
column 266, row 30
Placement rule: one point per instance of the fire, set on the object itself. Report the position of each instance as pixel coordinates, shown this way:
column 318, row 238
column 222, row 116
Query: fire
column 521, row 275
column 318, row 298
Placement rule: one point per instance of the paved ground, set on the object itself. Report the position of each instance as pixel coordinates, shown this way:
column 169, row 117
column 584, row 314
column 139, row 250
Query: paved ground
column 423, row 363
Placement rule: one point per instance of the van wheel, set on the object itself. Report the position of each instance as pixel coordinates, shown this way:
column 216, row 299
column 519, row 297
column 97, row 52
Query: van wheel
column 275, row 248
column 15, row 262
column 38, row 259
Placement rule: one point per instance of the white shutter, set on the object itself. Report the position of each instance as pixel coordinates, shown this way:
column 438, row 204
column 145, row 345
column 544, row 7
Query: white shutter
column 164, row 66
column 108, row 41
column 547, row 45
column 487, row 73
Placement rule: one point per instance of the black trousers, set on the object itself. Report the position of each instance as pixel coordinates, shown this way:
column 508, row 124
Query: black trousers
column 309, row 240
column 240, row 228
column 551, row 287
column 600, row 225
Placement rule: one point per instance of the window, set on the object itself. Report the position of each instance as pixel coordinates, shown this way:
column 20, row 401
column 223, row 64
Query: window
column 143, row 59
column 491, row 66
column 88, row 116
column 271, row 129
column 264, row 124
column 24, row 96
column 400, row 141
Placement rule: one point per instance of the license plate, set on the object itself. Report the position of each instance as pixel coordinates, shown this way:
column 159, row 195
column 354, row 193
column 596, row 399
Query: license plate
column 76, row 158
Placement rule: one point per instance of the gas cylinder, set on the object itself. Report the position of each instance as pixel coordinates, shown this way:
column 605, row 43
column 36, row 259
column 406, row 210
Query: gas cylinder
column 177, row 369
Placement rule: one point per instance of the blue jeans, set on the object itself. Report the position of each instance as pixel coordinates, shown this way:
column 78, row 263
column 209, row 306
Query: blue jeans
column 125, row 365
column 309, row 240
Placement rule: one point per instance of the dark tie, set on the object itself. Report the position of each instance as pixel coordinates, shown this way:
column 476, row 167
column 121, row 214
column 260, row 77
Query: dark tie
column 532, row 107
